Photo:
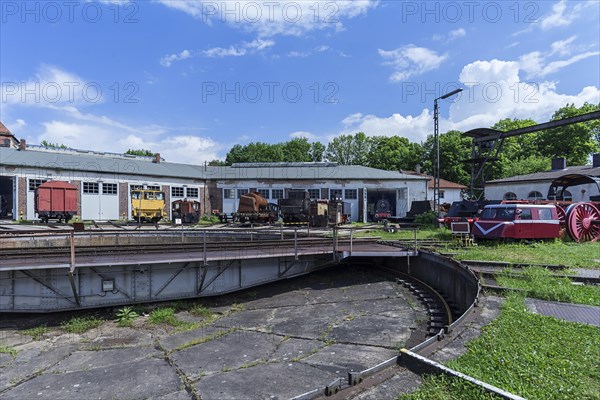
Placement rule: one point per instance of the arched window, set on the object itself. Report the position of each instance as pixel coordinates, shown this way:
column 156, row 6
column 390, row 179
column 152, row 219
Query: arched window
column 567, row 196
column 535, row 196
column 510, row 196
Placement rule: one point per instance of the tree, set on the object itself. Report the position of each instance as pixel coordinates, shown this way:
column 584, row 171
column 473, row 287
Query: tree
column 388, row 153
column 296, row 150
column 317, row 151
column 575, row 142
column 349, row 149
column 141, row 152
column 45, row 143
column 520, row 154
column 255, row 152
column 454, row 150
column 217, row 163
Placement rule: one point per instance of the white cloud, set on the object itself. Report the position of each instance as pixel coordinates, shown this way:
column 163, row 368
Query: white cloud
column 167, row 61
column 411, row 60
column 220, row 52
column 493, row 91
column 563, row 14
column 301, row 134
column 452, row 35
column 298, row 54
column 322, row 48
column 537, row 63
column 267, row 19
column 51, row 86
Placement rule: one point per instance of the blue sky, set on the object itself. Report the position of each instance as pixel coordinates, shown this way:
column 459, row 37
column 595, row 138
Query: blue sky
column 191, row 78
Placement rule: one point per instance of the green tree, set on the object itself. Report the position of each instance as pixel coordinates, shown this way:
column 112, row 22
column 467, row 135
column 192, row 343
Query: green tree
column 317, row 151
column 519, row 154
column 388, row 153
column 217, row 163
column 455, row 149
column 45, row 143
column 349, row 149
column 141, row 152
column 575, row 142
column 255, row 152
column 296, row 150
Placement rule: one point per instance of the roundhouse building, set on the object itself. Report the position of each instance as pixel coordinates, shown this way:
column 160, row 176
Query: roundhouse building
column 105, row 182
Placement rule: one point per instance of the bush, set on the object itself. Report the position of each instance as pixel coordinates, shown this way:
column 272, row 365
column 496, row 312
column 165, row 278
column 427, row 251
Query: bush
column 125, row 316
column 428, row 218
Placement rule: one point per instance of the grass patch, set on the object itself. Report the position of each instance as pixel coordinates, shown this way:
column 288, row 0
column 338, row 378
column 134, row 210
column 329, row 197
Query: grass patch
column 540, row 283
column 406, row 234
column 166, row 316
column 8, row 350
column 125, row 317
column 199, row 310
column 81, row 324
column 205, row 339
column 570, row 254
column 36, row 333
column 531, row 355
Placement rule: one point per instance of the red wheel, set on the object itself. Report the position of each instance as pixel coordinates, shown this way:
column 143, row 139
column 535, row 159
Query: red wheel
column 583, row 222
column 562, row 215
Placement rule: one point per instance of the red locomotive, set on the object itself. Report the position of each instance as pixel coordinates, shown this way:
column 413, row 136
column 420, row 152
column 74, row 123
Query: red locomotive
column 188, row 211
column 518, row 221
column 56, row 200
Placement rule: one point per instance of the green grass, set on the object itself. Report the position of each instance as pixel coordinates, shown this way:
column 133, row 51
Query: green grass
column 166, row 316
column 36, row 333
column 530, row 355
column 406, row 234
column 539, row 283
column 8, row 350
column 583, row 255
column 81, row 324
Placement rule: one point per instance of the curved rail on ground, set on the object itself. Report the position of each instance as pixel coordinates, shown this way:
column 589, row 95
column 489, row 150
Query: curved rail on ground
column 436, row 283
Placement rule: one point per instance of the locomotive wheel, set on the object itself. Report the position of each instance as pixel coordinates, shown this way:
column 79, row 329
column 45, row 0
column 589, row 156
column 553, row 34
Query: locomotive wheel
column 562, row 214
column 583, row 222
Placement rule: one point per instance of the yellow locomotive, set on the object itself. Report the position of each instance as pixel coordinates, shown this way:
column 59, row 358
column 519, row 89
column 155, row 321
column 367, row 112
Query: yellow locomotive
column 147, row 205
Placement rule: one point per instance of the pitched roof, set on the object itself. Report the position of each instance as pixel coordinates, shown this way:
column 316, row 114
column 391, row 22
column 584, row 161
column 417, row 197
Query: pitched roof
column 549, row 175
column 121, row 164
column 4, row 129
column 444, row 184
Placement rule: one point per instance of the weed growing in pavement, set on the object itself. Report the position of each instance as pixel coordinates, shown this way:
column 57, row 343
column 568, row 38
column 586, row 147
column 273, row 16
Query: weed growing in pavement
column 125, row 316
column 81, row 324
column 540, row 283
column 167, row 316
column 8, row 350
column 36, row 333
column 530, row 355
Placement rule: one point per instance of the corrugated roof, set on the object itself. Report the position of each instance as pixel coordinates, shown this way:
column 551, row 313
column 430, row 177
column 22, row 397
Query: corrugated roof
column 444, row 184
column 550, row 175
column 122, row 165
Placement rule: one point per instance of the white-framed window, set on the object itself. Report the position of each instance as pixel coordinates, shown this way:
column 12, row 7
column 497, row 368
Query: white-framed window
column 176, row 191
column 152, row 187
column 335, row 193
column 277, row 194
column 136, row 187
column 109, row 188
column 264, row 193
column 191, row 193
column 229, row 193
column 91, row 188
column 535, row 195
column 35, row 183
column 510, row 196
column 314, row 194
column 241, row 192
column 442, row 194
column 351, row 194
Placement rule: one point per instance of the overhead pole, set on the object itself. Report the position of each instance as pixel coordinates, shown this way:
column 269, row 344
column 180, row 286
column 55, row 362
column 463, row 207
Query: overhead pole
column 436, row 143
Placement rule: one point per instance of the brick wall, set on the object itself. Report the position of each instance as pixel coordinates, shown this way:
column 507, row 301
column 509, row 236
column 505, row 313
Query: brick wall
column 124, row 200
column 22, row 199
column 167, row 190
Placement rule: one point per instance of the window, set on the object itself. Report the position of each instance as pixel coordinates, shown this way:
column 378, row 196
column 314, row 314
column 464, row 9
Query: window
column 545, row 214
column 510, row 196
column 176, row 191
column 264, row 193
column 535, row 196
column 90, row 188
column 152, row 187
column 567, row 196
column 525, row 213
column 277, row 194
column 109, row 188
column 136, row 187
column 442, row 194
column 35, row 183
column 241, row 192
column 191, row 192
column 351, row 194
column 228, row 194
column 314, row 193
column 335, row 194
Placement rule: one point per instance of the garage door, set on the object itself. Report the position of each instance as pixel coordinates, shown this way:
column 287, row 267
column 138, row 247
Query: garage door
column 100, row 201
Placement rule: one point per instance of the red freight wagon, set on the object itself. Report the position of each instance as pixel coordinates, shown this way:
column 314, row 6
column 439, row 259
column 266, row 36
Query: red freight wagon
column 517, row 221
column 56, row 200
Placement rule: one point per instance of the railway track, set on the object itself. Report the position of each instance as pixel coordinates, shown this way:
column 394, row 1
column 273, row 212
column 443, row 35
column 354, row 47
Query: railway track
column 174, row 247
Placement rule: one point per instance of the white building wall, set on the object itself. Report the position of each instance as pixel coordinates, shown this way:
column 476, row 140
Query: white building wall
column 522, row 190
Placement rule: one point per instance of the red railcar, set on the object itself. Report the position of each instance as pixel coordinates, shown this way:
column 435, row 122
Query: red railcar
column 56, row 200
column 517, row 221
column 188, row 211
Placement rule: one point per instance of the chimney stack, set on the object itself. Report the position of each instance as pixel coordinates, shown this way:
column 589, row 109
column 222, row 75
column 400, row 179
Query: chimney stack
column 22, row 144
column 596, row 160
column 156, row 158
column 559, row 163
